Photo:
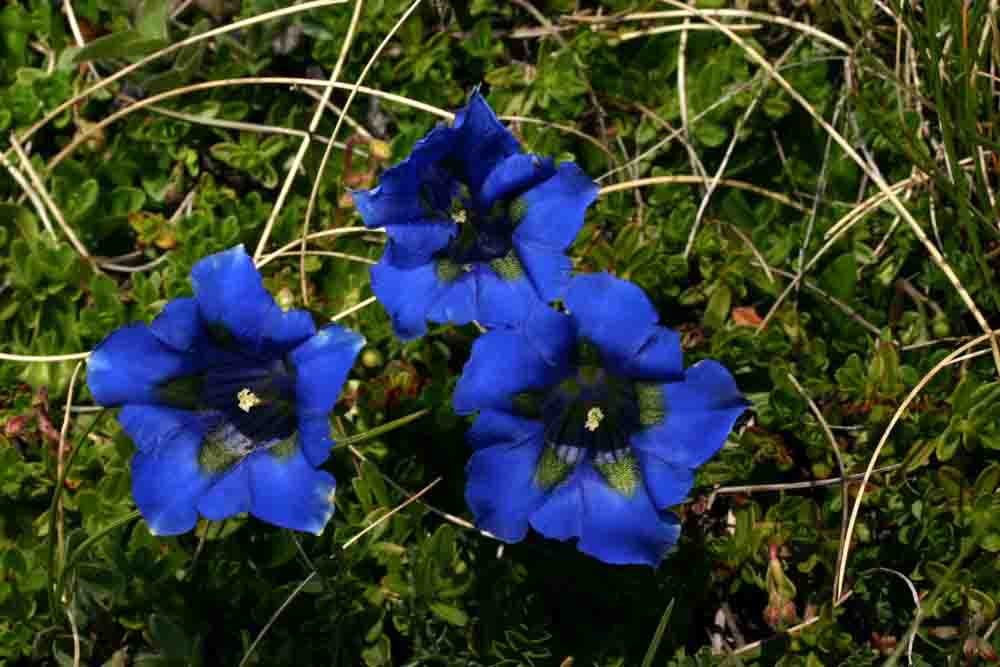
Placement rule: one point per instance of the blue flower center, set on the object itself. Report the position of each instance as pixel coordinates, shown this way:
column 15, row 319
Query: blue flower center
column 590, row 414
column 249, row 403
column 485, row 233
column 257, row 398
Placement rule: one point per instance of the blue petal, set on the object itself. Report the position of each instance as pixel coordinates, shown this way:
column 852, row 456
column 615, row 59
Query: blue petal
column 167, row 481
column 179, row 325
column 549, row 270
column 613, row 314
column 483, row 142
column 153, row 427
column 230, row 292
column 700, row 413
column 612, row 527
column 667, row 483
column 229, row 495
column 289, row 492
column 128, row 365
column 416, row 242
column 660, row 358
column 406, row 190
column 321, row 366
column 492, row 428
column 505, row 362
column 504, row 302
column 406, row 294
column 457, row 300
column 561, row 515
column 512, row 176
column 500, row 488
column 314, row 437
column 556, row 208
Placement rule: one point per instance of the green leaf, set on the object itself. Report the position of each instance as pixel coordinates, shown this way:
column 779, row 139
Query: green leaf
column 169, row 637
column 124, row 44
column 717, row 310
column 449, row 614
column 654, row 645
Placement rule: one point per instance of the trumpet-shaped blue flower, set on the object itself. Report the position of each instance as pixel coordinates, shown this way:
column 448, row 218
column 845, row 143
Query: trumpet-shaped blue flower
column 589, row 425
column 477, row 229
column 227, row 398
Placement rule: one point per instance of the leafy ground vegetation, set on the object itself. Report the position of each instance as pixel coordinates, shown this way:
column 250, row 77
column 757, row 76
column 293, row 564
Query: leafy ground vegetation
column 806, row 190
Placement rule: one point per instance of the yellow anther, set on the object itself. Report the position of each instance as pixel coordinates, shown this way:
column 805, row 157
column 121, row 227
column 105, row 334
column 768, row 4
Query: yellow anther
column 594, row 417
column 459, row 216
column 247, row 399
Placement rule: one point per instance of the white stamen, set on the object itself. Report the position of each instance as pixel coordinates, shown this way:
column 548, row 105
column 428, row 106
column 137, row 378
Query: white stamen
column 594, row 417
column 247, row 399
column 459, row 216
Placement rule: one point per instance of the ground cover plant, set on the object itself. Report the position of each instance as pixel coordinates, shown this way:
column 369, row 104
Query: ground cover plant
column 250, row 418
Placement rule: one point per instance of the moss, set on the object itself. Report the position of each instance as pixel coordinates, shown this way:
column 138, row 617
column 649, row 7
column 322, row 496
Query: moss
column 285, row 448
column 516, row 210
column 508, row 267
column 447, row 270
column 214, row 458
column 652, row 405
column 551, row 470
column 623, row 475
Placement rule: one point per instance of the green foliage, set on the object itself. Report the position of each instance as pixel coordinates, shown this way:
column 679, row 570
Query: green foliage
column 199, row 172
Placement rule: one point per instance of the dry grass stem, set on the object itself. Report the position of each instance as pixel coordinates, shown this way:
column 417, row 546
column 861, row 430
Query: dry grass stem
column 336, row 128
column 353, row 309
column 700, row 180
column 47, row 198
column 61, row 463
column 194, row 39
column 385, row 517
column 36, row 201
column 43, row 359
column 873, row 174
column 837, row 455
column 792, row 486
column 941, row 365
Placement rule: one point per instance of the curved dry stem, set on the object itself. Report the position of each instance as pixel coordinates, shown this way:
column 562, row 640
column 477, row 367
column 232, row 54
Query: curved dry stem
column 563, row 128
column 325, row 253
column 941, row 365
column 333, row 135
column 315, row 235
column 47, row 199
column 194, row 39
column 837, row 455
column 698, row 180
column 44, row 359
column 61, row 460
column 726, row 13
column 714, row 183
column 385, row 517
column 342, row 115
column 93, row 129
column 36, row 201
column 353, row 309
column 872, row 173
column 663, row 29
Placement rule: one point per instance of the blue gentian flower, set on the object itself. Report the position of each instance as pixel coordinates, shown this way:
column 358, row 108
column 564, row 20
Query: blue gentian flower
column 227, row 398
column 477, row 229
column 589, row 425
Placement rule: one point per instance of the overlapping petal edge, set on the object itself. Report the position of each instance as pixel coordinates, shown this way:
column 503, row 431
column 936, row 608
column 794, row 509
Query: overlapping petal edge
column 231, row 331
column 524, row 212
column 692, row 412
